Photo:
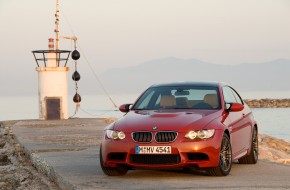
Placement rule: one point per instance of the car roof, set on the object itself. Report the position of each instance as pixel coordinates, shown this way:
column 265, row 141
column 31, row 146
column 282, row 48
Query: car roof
column 197, row 84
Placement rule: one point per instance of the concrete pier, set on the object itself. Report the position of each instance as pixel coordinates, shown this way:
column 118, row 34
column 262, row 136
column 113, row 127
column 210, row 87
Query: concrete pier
column 68, row 152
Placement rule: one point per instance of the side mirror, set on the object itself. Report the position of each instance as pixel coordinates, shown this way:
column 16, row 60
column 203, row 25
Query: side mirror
column 125, row 108
column 236, row 107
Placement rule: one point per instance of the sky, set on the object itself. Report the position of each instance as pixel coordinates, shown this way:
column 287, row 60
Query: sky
column 123, row 33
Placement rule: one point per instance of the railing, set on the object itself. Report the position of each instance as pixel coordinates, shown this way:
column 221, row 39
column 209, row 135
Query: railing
column 60, row 56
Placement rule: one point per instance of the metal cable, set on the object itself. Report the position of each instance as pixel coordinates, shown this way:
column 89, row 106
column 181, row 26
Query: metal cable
column 94, row 73
column 90, row 66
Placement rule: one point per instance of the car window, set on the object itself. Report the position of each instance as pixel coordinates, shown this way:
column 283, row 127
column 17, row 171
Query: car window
column 237, row 96
column 231, row 96
column 144, row 102
column 179, row 98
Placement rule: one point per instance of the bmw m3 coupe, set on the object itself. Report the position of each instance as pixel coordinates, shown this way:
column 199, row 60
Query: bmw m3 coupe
column 187, row 125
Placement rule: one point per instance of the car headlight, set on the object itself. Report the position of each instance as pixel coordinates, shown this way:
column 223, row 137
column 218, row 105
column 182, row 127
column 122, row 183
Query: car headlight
column 116, row 135
column 201, row 134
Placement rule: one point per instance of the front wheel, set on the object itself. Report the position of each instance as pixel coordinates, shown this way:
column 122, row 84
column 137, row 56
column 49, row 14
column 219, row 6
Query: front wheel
column 110, row 171
column 225, row 162
column 252, row 158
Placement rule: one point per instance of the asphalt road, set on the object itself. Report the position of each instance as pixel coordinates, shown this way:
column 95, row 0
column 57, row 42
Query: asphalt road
column 68, row 152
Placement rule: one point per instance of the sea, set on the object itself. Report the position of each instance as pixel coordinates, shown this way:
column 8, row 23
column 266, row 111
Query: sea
column 271, row 121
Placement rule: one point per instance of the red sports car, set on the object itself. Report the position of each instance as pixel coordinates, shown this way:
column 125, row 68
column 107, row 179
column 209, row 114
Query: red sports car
column 190, row 125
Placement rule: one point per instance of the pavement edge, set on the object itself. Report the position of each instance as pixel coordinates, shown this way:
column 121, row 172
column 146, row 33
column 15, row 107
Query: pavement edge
column 43, row 167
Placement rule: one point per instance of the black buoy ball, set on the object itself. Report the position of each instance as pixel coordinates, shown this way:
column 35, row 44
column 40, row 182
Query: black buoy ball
column 77, row 98
column 76, row 76
column 75, row 55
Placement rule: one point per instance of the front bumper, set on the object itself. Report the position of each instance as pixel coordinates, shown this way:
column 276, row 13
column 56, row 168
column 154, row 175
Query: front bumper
column 184, row 153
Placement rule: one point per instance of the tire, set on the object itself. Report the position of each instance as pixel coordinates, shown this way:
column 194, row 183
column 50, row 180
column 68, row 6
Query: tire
column 225, row 162
column 110, row 171
column 252, row 158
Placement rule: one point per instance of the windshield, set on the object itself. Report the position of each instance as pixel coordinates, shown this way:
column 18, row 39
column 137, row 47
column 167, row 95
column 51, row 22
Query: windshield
column 179, row 98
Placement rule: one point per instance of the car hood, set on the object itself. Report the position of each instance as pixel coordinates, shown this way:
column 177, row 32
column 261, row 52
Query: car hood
column 180, row 120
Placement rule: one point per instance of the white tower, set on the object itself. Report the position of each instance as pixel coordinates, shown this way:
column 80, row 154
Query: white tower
column 52, row 82
column 52, row 78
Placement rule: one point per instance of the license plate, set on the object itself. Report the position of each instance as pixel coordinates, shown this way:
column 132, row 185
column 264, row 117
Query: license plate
column 153, row 149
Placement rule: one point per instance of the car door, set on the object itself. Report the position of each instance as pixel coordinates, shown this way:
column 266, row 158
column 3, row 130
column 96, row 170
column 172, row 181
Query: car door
column 238, row 126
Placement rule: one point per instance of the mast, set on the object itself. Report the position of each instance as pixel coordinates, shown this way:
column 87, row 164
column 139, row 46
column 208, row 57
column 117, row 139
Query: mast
column 57, row 26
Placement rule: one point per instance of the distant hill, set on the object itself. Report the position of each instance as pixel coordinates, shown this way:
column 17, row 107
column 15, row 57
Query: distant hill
column 274, row 75
column 270, row 76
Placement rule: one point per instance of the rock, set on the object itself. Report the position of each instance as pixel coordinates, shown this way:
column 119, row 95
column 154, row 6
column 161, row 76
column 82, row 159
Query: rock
column 4, row 160
column 274, row 150
column 5, row 186
column 2, row 143
column 268, row 103
column 16, row 171
column 110, row 120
